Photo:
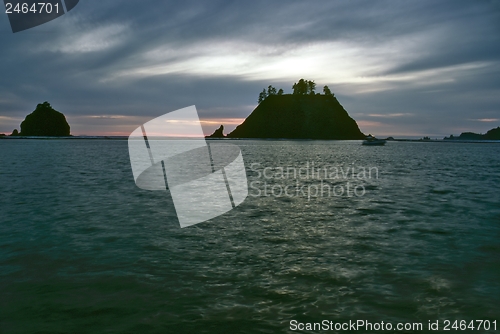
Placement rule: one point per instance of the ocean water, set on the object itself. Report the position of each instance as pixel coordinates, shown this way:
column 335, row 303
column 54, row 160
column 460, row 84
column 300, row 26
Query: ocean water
column 83, row 250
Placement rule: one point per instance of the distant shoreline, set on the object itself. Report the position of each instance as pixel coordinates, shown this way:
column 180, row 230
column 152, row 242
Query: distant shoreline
column 266, row 139
column 65, row 138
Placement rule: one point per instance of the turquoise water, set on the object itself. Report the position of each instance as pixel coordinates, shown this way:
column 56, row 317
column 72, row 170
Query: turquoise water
column 83, row 250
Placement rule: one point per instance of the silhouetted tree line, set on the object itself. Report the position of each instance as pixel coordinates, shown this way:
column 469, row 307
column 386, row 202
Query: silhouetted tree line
column 302, row 87
column 270, row 91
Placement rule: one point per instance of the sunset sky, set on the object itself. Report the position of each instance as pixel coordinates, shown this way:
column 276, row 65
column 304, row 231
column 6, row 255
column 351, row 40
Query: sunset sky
column 421, row 68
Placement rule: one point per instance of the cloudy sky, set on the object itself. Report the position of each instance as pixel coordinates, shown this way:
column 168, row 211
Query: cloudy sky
column 398, row 67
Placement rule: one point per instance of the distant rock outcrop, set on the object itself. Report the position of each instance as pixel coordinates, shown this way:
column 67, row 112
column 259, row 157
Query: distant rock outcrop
column 296, row 116
column 493, row 134
column 219, row 133
column 45, row 121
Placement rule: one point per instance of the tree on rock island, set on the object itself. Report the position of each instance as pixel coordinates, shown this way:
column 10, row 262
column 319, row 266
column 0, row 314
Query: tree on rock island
column 304, row 87
column 327, row 91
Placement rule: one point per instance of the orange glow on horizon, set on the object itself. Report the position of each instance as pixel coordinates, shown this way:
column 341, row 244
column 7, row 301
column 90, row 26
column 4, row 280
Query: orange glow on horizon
column 125, row 129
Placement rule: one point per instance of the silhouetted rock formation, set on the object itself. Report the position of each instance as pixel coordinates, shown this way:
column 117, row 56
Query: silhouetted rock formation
column 44, row 121
column 219, row 133
column 299, row 117
column 15, row 133
column 493, row 134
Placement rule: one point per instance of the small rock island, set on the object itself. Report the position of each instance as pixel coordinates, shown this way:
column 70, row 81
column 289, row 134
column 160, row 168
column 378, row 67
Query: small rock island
column 44, row 121
column 301, row 115
column 219, row 133
column 493, row 134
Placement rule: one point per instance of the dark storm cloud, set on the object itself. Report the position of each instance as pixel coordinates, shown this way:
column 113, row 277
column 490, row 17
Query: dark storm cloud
column 84, row 62
column 470, row 32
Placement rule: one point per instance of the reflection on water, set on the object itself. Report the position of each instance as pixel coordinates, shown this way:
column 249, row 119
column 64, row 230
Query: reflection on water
column 82, row 249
